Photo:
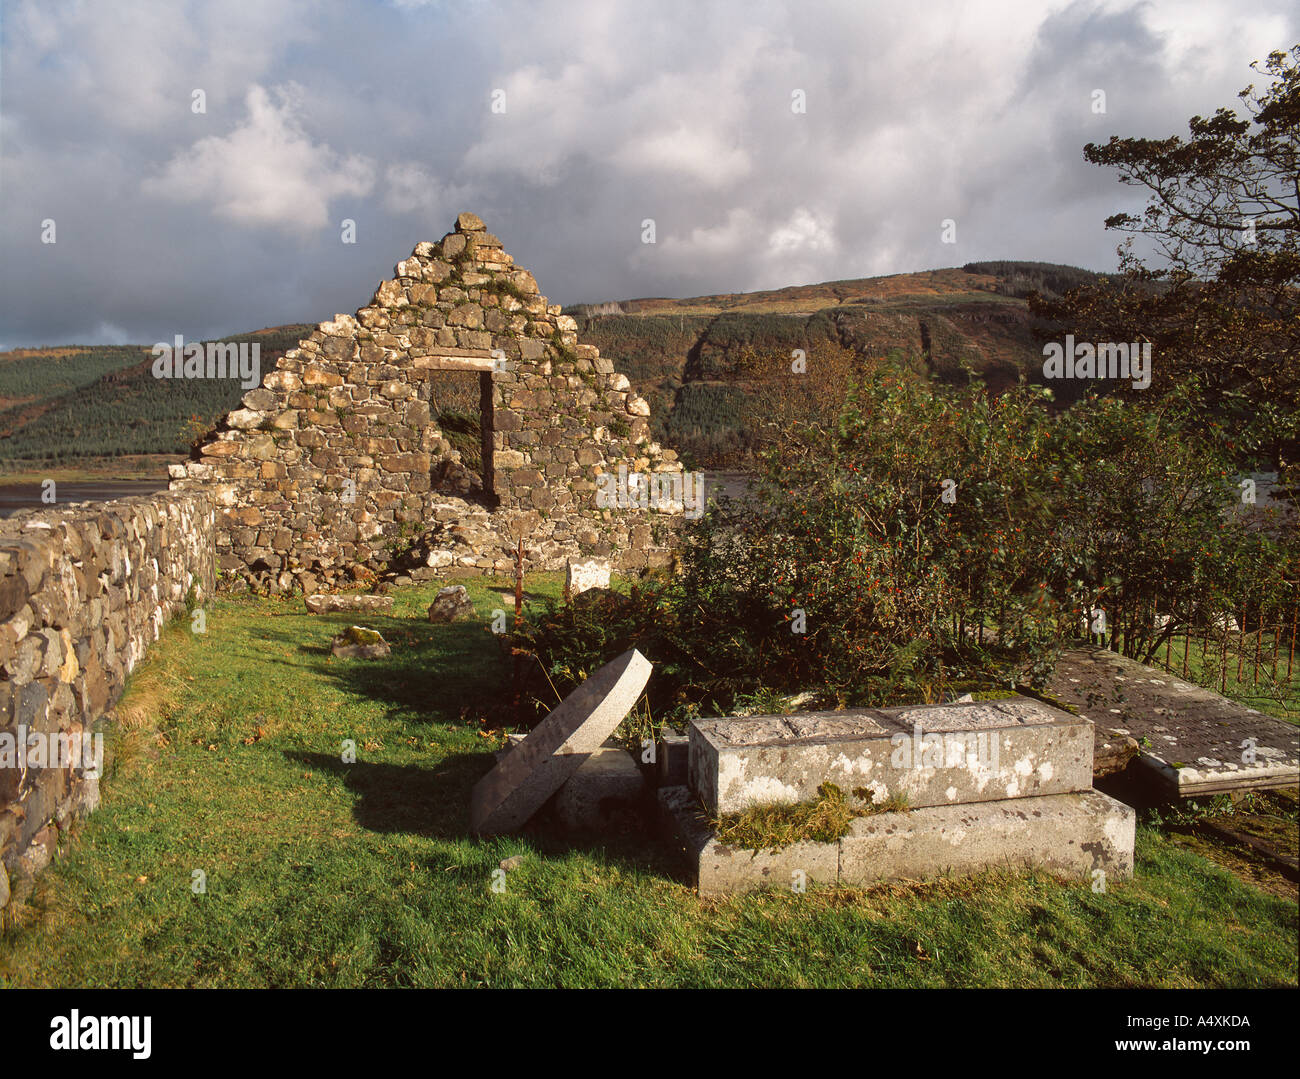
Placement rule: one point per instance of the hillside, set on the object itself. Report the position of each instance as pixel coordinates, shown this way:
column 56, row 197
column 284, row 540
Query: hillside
column 693, row 359
column 690, row 357
column 77, row 403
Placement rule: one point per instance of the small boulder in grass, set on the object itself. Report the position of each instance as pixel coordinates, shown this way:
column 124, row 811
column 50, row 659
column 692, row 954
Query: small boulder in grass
column 451, row 604
column 358, row 642
column 324, row 603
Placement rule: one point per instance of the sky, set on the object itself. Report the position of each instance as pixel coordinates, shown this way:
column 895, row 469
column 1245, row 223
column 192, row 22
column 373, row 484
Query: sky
column 198, row 160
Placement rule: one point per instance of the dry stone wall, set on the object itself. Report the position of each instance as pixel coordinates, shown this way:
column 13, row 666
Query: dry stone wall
column 83, row 591
column 335, row 467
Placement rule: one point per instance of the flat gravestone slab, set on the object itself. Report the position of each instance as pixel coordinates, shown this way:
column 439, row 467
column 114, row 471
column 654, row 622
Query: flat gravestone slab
column 974, row 716
column 1190, row 737
column 515, row 789
column 934, row 755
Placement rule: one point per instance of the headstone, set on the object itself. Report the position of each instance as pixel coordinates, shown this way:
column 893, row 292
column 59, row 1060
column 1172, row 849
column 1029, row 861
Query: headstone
column 516, row 788
column 451, row 604
column 322, row 603
column 580, row 576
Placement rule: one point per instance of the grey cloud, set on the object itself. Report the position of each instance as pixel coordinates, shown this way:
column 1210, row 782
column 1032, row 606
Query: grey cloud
column 171, row 222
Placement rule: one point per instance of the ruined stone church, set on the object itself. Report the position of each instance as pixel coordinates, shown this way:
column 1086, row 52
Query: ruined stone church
column 344, row 462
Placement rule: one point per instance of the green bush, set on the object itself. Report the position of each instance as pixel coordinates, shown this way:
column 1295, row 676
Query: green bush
column 934, row 538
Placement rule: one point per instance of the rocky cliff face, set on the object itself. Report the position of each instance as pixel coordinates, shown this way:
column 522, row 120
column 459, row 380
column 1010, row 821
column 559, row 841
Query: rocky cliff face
column 335, row 466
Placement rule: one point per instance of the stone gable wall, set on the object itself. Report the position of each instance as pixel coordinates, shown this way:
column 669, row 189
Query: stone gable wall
column 335, row 467
column 83, row 591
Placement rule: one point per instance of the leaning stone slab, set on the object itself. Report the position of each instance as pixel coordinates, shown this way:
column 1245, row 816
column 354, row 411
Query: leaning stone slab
column 322, row 603
column 931, row 755
column 1073, row 834
column 516, row 788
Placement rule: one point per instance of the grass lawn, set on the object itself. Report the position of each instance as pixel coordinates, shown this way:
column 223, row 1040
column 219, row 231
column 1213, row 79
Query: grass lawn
column 227, row 761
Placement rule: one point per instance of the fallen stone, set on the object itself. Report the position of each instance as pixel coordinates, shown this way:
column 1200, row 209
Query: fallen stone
column 322, row 603
column 581, row 576
column 451, row 604
column 358, row 642
column 606, row 785
column 517, row 787
column 512, row 863
column 929, row 755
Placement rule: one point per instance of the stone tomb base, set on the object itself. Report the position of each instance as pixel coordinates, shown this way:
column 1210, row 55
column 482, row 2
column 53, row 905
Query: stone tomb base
column 994, row 784
column 929, row 754
column 1073, row 834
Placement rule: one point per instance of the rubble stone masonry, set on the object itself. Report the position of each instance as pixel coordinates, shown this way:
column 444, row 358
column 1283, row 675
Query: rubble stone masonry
column 83, row 591
column 334, row 470
column 335, row 463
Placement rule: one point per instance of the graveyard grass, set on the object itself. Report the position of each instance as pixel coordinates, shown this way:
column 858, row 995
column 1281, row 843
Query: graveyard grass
column 227, row 761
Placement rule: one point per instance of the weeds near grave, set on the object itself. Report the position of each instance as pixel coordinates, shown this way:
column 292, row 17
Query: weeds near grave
column 822, row 820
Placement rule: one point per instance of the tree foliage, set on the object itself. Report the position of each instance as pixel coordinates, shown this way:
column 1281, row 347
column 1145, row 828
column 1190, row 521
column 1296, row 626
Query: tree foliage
column 1223, row 216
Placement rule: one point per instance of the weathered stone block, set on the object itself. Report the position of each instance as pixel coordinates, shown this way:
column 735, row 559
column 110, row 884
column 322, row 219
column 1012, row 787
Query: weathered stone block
column 1073, row 834
column 932, row 755
column 359, row 642
column 590, row 573
column 322, row 603
column 605, row 789
column 1076, row 834
column 452, row 604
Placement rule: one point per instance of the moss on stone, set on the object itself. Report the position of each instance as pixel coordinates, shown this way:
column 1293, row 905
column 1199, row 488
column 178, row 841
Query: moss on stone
column 822, row 820
column 361, row 635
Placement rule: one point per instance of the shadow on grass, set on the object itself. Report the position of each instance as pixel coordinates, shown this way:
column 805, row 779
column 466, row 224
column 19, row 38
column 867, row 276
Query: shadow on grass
column 443, row 671
column 410, row 798
column 434, row 802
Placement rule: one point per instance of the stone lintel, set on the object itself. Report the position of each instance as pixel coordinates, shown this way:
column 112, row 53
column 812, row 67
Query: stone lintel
column 457, row 359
